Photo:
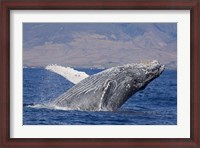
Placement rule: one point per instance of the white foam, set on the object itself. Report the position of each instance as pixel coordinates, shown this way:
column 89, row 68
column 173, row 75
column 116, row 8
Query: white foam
column 70, row 74
column 48, row 106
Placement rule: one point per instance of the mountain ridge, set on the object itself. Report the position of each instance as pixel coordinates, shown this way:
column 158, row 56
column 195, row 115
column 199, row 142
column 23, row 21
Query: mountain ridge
column 99, row 44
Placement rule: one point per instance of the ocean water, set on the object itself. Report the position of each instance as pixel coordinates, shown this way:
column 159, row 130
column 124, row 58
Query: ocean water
column 155, row 105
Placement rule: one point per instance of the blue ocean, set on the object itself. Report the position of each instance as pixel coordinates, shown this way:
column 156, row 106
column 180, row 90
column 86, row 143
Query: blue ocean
column 155, row 105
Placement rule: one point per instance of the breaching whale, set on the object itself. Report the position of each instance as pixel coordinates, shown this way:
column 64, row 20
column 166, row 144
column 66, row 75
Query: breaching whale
column 110, row 89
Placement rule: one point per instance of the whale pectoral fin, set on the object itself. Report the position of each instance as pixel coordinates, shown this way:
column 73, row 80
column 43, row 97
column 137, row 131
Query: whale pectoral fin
column 68, row 73
column 108, row 90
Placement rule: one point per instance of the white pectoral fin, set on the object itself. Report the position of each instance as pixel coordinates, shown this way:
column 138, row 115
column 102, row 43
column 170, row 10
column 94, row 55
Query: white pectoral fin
column 70, row 74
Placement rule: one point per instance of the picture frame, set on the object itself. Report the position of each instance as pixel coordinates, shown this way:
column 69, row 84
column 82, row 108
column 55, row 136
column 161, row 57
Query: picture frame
column 192, row 5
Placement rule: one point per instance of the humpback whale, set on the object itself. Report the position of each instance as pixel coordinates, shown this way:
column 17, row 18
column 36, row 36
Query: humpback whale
column 108, row 90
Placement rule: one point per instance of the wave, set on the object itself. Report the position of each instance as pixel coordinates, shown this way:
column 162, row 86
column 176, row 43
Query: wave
column 47, row 106
column 30, row 67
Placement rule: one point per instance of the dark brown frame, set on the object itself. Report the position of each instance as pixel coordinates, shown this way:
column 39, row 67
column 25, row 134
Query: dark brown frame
column 192, row 5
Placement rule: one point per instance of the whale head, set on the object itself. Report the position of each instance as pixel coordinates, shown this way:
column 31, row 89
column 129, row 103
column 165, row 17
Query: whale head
column 130, row 79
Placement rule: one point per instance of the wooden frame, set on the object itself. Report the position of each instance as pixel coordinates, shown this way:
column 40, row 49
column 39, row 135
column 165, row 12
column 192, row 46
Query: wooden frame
column 192, row 5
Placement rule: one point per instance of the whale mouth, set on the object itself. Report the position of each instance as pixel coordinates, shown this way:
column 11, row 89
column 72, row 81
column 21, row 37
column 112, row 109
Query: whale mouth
column 161, row 69
column 155, row 66
column 155, row 69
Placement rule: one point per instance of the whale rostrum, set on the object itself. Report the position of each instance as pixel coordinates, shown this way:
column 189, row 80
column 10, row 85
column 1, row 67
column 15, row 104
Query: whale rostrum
column 110, row 89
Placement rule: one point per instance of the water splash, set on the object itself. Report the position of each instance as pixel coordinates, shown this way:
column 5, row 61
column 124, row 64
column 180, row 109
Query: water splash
column 47, row 106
